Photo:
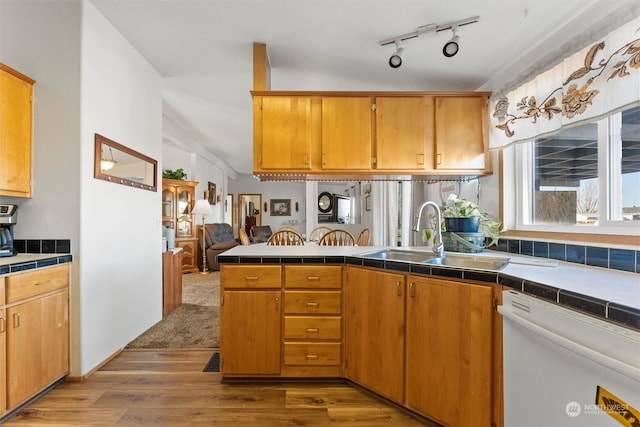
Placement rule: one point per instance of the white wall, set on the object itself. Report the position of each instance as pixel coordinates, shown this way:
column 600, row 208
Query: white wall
column 296, row 191
column 42, row 40
column 120, row 246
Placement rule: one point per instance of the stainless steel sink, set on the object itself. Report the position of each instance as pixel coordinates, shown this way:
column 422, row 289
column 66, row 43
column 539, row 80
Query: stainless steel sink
column 399, row 255
column 470, row 261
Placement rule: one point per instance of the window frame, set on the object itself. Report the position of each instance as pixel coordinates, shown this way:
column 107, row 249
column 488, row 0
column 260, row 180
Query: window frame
column 609, row 180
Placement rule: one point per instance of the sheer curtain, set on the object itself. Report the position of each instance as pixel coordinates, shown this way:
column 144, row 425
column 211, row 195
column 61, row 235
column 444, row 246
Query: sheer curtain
column 384, row 197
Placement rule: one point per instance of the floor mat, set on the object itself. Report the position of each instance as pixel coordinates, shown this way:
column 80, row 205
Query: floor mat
column 213, row 365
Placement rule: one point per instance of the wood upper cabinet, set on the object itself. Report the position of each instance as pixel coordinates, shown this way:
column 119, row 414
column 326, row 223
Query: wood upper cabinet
column 461, row 133
column 449, row 351
column 404, row 140
column 16, row 115
column 346, row 133
column 374, row 330
column 283, row 132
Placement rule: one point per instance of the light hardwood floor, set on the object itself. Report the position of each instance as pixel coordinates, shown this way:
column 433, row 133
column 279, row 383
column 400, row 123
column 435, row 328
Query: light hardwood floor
column 168, row 388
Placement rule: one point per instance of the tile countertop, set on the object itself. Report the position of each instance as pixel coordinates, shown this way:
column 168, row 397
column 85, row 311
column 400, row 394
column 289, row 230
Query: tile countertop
column 22, row 262
column 605, row 284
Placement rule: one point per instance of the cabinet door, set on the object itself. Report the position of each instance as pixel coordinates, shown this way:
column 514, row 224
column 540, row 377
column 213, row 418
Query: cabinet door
column 460, row 132
column 37, row 346
column 168, row 207
column 403, row 140
column 184, row 204
column 285, row 132
column 250, row 332
column 3, row 358
column 15, row 133
column 374, row 328
column 449, row 351
column 346, row 133
column 189, row 252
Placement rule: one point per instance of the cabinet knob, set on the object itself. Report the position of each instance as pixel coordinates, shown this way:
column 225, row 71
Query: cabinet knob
column 16, row 320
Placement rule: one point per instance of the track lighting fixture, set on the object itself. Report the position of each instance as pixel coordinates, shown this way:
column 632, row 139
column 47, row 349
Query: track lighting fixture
column 396, row 59
column 450, row 48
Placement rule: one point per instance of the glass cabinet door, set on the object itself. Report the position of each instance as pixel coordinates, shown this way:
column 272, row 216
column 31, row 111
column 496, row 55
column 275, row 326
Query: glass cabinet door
column 184, row 213
column 168, row 215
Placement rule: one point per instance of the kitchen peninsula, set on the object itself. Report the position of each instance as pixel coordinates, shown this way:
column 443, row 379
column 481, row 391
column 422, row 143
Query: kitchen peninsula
column 383, row 326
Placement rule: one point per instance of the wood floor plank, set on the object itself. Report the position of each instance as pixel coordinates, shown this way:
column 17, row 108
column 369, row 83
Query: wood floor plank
column 168, row 388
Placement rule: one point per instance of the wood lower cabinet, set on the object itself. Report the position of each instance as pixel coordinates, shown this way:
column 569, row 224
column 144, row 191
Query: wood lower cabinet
column 449, row 351
column 312, row 321
column 16, row 115
column 171, row 280
column 37, row 332
column 375, row 329
column 250, row 318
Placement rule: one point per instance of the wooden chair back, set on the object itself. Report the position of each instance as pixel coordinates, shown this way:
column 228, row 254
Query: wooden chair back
column 244, row 238
column 289, row 227
column 318, row 232
column 337, row 238
column 364, row 237
column 285, row 238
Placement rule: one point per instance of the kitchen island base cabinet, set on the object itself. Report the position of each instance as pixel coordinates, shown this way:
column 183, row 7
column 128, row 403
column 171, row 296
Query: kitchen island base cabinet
column 250, row 333
column 375, row 331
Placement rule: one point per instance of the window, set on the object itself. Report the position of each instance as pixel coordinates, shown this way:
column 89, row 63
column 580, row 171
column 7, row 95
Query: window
column 585, row 178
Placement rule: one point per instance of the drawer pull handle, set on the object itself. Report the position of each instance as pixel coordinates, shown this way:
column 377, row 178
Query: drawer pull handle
column 311, row 356
column 251, row 278
column 313, row 277
column 313, row 304
column 313, row 330
column 16, row 320
column 3, row 325
column 46, row 282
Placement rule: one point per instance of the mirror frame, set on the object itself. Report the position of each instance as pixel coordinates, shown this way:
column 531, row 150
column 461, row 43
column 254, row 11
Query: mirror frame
column 99, row 174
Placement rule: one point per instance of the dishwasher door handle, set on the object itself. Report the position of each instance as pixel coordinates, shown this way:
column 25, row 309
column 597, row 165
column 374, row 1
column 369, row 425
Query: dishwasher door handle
column 602, row 359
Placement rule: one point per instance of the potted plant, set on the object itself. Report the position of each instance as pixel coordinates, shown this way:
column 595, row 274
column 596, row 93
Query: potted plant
column 174, row 174
column 464, row 219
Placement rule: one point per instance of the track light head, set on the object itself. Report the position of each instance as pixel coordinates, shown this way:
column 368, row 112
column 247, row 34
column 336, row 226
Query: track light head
column 452, row 46
column 395, row 60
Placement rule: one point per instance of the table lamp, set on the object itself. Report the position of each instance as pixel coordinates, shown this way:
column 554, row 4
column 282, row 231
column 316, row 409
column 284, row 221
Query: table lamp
column 203, row 208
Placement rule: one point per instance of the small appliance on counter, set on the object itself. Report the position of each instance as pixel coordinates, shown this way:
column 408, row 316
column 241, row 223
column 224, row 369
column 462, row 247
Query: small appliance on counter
column 8, row 218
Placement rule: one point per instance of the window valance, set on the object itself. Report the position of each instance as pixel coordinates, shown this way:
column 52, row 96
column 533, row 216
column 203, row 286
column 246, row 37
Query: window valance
column 591, row 83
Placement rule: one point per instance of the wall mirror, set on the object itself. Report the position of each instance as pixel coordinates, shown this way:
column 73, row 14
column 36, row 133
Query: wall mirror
column 114, row 162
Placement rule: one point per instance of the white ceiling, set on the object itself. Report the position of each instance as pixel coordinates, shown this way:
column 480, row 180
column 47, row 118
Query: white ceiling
column 203, row 50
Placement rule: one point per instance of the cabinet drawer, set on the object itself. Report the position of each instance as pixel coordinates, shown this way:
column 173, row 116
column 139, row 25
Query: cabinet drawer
column 250, row 276
column 312, row 328
column 313, row 276
column 312, row 302
column 327, row 354
column 35, row 282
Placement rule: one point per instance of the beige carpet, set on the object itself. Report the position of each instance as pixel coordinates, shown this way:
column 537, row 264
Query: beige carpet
column 195, row 323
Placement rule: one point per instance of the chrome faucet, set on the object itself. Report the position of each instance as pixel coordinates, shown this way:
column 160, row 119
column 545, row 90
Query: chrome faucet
column 438, row 247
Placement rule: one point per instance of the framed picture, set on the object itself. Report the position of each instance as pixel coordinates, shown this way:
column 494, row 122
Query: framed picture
column 212, row 193
column 280, row 207
column 367, row 202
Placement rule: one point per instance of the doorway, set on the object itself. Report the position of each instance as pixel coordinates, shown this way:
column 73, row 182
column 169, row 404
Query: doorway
column 249, row 211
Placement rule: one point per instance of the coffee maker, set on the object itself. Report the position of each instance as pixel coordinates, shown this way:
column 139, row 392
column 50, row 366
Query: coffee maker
column 8, row 218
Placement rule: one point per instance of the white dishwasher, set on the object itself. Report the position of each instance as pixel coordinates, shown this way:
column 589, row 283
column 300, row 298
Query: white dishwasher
column 558, row 363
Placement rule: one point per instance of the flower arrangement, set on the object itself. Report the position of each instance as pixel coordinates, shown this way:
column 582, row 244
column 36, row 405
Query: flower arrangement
column 174, row 174
column 462, row 208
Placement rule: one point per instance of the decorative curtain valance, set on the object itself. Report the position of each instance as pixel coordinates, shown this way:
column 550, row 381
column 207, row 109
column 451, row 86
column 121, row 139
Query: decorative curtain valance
column 590, row 84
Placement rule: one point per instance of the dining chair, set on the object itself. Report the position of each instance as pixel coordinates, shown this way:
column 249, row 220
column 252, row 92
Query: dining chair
column 337, row 237
column 244, row 238
column 364, row 237
column 285, row 238
column 318, row 232
column 289, row 227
